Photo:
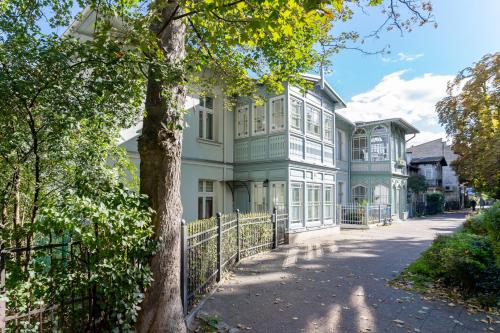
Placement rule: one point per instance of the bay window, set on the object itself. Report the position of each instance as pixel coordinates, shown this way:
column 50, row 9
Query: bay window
column 242, row 122
column 359, row 146
column 379, row 144
column 296, row 113
column 259, row 119
column 277, row 114
column 328, row 135
column 313, row 120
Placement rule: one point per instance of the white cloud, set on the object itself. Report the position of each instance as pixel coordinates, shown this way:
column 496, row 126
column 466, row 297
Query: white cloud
column 395, row 97
column 425, row 136
column 401, row 56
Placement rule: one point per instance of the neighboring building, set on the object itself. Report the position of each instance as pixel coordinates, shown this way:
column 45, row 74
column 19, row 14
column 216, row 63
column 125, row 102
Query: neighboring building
column 433, row 160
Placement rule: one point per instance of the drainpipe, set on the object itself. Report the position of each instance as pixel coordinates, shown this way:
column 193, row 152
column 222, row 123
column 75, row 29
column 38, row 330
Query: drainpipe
column 414, row 135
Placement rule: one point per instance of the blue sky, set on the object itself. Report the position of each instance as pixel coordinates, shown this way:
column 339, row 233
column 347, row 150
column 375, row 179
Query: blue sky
column 409, row 81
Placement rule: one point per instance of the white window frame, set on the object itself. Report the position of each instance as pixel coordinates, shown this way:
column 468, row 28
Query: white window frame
column 357, row 197
column 329, row 206
column 313, row 127
column 206, row 191
column 379, row 144
column 381, row 194
column 242, row 124
column 256, row 109
column 280, row 205
column 297, row 204
column 328, row 119
column 358, row 137
column 313, row 206
column 203, row 114
column 260, row 206
column 300, row 114
column 277, row 126
column 340, row 193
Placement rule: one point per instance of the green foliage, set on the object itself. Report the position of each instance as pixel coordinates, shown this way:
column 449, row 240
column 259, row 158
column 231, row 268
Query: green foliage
column 467, row 260
column 417, row 184
column 487, row 223
column 435, row 202
column 471, row 116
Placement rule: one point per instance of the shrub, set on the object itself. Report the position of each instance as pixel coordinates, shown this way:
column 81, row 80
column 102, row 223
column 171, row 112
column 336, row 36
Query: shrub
column 462, row 260
column 435, row 202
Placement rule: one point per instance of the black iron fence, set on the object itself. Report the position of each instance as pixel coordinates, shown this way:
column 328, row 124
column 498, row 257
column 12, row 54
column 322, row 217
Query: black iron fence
column 45, row 307
column 210, row 246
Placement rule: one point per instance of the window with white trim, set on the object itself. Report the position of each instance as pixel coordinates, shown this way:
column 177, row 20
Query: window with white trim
column 242, row 122
column 328, row 154
column 296, row 113
column 206, row 118
column 296, row 147
column 359, row 146
column 313, row 120
column 379, row 143
column 277, row 113
column 259, row 197
column 205, row 199
column 381, row 194
column 340, row 193
column 313, row 151
column 258, row 119
column 278, row 195
column 296, row 203
column 328, row 131
column 328, row 202
column 313, row 202
column 359, row 194
column 340, row 145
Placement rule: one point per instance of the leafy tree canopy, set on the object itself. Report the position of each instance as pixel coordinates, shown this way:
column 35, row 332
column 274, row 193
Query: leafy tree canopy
column 470, row 114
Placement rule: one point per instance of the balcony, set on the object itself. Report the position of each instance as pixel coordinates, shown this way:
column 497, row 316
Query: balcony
column 434, row 182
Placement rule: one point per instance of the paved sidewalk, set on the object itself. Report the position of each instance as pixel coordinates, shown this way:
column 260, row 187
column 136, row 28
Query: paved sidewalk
column 340, row 285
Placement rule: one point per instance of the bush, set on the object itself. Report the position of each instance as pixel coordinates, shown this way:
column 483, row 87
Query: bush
column 487, row 223
column 462, row 260
column 435, row 203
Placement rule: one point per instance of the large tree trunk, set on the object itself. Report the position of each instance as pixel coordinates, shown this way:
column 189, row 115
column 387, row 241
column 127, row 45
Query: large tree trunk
column 160, row 148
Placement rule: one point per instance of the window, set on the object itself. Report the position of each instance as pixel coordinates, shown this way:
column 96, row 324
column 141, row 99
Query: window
column 278, row 195
column 259, row 197
column 328, row 128
column 313, row 120
column 359, row 194
column 277, row 114
column 313, row 151
column 381, row 195
column 296, row 202
column 359, row 146
column 328, row 155
column 313, row 202
column 328, row 202
column 259, row 119
column 340, row 193
column 296, row 113
column 206, row 118
column 205, row 199
column 296, row 147
column 428, row 171
column 242, row 122
column 339, row 145
column 379, row 144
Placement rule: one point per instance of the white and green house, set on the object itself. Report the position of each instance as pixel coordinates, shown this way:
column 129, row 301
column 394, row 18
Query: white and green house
column 295, row 152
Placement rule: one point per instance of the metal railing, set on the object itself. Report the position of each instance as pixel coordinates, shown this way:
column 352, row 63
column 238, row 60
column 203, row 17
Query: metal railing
column 72, row 309
column 363, row 215
column 210, row 246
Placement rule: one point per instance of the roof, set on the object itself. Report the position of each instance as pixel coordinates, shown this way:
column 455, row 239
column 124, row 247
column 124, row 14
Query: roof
column 409, row 149
column 329, row 90
column 429, row 160
column 409, row 129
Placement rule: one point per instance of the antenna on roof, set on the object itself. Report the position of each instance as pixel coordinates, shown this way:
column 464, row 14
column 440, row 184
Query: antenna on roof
column 322, row 75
